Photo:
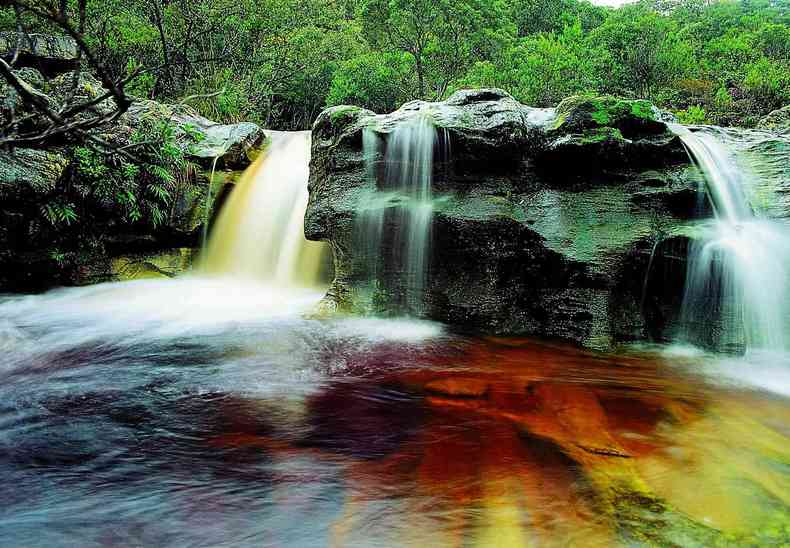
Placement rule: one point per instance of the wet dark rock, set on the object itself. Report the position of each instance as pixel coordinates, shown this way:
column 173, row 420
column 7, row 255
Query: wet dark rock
column 49, row 54
column 544, row 219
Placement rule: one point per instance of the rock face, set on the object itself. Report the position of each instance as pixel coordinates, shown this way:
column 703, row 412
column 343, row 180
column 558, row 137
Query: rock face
column 544, row 222
column 29, row 173
column 47, row 53
column 56, row 227
column 202, row 138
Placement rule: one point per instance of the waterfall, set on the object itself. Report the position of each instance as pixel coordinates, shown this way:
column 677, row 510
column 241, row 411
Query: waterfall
column 402, row 198
column 409, row 167
column 739, row 263
column 259, row 233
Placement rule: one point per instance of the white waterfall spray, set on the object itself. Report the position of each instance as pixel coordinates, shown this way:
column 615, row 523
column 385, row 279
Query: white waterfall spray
column 739, row 267
column 409, row 161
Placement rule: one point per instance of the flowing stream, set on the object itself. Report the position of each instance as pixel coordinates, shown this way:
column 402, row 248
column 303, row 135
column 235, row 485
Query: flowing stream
column 210, row 411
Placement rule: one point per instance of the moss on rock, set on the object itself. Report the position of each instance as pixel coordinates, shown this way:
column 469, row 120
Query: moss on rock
column 633, row 118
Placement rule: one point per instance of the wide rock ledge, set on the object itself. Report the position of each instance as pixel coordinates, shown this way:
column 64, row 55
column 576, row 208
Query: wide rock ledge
column 544, row 219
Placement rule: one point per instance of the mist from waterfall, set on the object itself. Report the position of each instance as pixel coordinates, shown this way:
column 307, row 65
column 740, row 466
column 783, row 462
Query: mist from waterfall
column 739, row 263
column 400, row 196
column 259, row 234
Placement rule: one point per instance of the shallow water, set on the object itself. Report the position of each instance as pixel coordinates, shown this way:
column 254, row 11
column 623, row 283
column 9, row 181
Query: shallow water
column 200, row 412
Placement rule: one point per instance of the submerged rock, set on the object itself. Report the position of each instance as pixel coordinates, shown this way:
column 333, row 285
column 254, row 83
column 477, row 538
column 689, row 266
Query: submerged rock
column 543, row 220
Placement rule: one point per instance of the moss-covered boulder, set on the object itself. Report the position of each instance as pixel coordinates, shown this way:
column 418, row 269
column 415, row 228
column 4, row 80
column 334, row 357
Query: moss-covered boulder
column 592, row 133
column 633, row 118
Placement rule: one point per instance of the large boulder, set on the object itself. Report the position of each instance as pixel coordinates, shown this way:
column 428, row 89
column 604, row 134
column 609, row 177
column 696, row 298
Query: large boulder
column 778, row 120
column 28, row 174
column 544, row 220
column 607, row 132
column 50, row 54
column 12, row 107
column 202, row 139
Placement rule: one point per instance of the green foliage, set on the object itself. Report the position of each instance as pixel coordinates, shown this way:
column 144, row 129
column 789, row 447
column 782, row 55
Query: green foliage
column 58, row 212
column 539, row 16
column 121, row 192
column 443, row 37
column 279, row 62
column 539, row 70
column 641, row 52
column 693, row 115
column 142, row 85
column 769, row 83
column 380, row 82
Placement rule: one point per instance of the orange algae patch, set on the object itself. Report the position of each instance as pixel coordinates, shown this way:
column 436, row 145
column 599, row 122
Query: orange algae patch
column 519, row 444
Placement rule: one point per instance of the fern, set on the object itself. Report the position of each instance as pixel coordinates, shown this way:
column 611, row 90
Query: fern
column 160, row 173
column 58, row 213
column 159, row 192
column 157, row 216
column 136, row 193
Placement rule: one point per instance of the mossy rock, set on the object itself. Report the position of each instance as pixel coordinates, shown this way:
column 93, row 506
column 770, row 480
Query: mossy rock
column 602, row 135
column 340, row 123
column 27, row 174
column 778, row 121
column 344, row 113
column 632, row 118
column 338, row 117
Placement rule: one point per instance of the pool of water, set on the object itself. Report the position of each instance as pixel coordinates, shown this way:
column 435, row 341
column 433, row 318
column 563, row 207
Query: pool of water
column 201, row 412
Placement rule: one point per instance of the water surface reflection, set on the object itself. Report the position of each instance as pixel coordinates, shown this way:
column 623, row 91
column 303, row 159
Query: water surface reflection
column 144, row 428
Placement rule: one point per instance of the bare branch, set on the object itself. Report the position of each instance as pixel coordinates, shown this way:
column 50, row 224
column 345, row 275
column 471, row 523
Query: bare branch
column 75, row 121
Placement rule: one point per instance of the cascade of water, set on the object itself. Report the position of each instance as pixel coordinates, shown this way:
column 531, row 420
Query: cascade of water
column 370, row 214
column 207, row 206
column 259, row 233
column 736, row 285
column 407, row 184
column 409, row 165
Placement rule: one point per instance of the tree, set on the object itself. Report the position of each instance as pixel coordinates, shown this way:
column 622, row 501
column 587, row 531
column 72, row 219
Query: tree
column 542, row 69
column 74, row 120
column 535, row 16
column 380, row 82
column 641, row 52
column 444, row 37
